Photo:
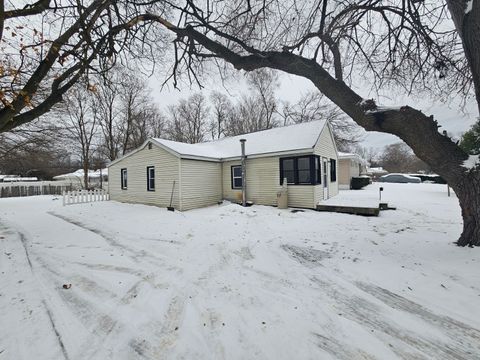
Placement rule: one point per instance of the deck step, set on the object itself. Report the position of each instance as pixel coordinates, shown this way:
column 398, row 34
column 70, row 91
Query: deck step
column 354, row 210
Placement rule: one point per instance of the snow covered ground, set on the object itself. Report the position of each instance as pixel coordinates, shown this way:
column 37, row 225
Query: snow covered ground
column 228, row 282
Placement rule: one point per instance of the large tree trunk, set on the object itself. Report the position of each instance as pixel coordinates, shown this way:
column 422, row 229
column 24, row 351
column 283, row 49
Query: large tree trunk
column 468, row 193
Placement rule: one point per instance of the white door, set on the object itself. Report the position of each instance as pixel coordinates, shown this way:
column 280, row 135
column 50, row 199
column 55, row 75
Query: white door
column 325, row 179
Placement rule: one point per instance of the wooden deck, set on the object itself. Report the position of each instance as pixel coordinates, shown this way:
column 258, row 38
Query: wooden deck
column 354, row 210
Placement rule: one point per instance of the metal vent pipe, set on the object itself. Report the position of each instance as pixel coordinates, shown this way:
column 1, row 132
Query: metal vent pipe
column 244, row 173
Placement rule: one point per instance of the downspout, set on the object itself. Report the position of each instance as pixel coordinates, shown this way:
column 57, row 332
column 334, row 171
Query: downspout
column 244, row 177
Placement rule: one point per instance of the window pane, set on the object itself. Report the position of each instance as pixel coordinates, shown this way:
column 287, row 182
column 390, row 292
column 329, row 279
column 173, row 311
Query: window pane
column 123, row 179
column 237, row 171
column 318, row 177
column 304, row 176
column 333, row 170
column 290, row 175
column 237, row 182
column 288, row 164
column 303, row 163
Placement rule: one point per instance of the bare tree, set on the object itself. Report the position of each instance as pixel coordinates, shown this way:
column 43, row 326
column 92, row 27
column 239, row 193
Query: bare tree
column 263, row 83
column 188, row 119
column 370, row 155
column 81, row 125
column 222, row 109
column 33, row 150
column 399, row 157
column 158, row 125
column 125, row 111
column 312, row 106
column 50, row 45
column 107, row 98
column 408, row 44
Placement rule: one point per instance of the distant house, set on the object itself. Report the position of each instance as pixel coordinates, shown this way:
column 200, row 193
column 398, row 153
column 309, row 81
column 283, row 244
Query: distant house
column 350, row 165
column 376, row 172
column 95, row 177
column 16, row 178
column 197, row 175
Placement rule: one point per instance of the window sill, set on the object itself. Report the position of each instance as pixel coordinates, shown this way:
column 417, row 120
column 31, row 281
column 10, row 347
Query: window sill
column 306, row 184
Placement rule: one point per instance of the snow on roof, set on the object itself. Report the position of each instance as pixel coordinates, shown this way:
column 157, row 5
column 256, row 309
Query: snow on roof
column 376, row 170
column 344, row 155
column 401, row 174
column 79, row 174
column 282, row 139
column 16, row 178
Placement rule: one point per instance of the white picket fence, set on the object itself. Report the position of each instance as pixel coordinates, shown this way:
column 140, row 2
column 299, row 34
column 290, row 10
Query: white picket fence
column 84, row 196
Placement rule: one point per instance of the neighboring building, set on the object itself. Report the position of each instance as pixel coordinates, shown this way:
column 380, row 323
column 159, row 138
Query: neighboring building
column 376, row 172
column 16, row 178
column 197, row 175
column 95, row 177
column 349, row 165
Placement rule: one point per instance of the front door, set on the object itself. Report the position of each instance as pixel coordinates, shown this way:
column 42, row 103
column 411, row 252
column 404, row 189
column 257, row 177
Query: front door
column 325, row 179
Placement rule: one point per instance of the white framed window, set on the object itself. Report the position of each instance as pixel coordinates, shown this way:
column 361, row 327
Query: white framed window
column 123, row 178
column 150, row 178
column 237, row 177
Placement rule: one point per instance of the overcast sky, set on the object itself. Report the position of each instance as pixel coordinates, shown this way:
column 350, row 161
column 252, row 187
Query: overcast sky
column 449, row 113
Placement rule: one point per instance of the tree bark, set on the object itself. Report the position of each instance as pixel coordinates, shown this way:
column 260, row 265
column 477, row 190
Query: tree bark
column 468, row 193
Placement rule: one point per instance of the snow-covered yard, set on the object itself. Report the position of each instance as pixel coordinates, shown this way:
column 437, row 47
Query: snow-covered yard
column 228, row 282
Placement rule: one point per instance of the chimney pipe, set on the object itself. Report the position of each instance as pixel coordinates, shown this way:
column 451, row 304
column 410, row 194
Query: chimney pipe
column 244, row 177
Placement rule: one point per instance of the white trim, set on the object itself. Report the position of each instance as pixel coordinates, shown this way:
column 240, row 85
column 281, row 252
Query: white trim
column 331, row 136
column 124, row 178
column 149, row 168
column 180, row 198
column 306, row 151
column 233, row 177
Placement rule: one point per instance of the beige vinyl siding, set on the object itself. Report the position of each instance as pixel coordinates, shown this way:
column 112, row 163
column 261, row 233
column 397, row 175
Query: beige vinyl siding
column 166, row 171
column 263, row 183
column 301, row 196
column 344, row 171
column 318, row 193
column 347, row 169
column 326, row 148
column 201, row 183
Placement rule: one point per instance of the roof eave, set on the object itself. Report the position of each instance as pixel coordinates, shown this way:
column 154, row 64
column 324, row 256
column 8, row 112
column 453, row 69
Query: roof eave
column 270, row 154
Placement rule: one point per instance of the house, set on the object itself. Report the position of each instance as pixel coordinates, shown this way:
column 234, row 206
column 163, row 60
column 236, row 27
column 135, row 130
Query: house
column 349, row 165
column 197, row 175
column 376, row 172
column 95, row 177
column 16, row 178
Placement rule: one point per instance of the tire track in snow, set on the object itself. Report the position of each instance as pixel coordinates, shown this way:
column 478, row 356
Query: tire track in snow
column 355, row 305
column 134, row 254
column 166, row 336
column 456, row 328
column 138, row 256
column 24, row 241
column 372, row 316
column 55, row 330
column 85, row 311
